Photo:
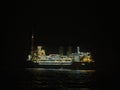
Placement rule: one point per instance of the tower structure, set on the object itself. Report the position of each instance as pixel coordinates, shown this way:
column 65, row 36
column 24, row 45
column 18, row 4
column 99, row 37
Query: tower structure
column 32, row 43
column 78, row 49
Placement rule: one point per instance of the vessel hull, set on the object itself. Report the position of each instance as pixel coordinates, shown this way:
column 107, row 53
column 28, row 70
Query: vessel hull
column 78, row 65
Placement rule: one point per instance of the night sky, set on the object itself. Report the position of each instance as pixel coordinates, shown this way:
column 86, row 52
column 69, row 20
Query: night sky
column 85, row 28
column 55, row 31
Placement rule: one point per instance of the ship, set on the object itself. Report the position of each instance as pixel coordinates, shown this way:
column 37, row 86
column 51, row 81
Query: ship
column 76, row 60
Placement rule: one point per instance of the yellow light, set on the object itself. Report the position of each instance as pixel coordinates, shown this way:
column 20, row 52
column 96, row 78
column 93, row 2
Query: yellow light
column 86, row 59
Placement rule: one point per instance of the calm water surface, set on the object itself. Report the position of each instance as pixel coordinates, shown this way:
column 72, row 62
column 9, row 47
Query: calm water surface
column 58, row 79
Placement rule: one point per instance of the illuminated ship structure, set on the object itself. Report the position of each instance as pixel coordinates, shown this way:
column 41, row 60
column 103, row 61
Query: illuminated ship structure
column 77, row 60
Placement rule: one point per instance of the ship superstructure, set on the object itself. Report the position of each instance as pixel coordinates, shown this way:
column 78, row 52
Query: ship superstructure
column 38, row 56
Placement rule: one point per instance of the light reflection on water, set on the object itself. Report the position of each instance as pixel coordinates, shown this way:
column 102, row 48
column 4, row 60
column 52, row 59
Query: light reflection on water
column 61, row 79
column 59, row 70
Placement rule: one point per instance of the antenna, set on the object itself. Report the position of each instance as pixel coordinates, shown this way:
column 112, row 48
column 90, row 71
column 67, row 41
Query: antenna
column 32, row 42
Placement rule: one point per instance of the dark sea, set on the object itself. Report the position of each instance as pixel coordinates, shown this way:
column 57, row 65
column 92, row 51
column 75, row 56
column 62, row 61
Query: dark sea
column 54, row 79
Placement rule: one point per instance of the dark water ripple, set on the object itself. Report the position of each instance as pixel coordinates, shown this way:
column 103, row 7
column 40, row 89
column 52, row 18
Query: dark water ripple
column 34, row 79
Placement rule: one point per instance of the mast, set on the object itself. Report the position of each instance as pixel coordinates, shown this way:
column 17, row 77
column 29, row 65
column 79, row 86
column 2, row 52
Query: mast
column 32, row 42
